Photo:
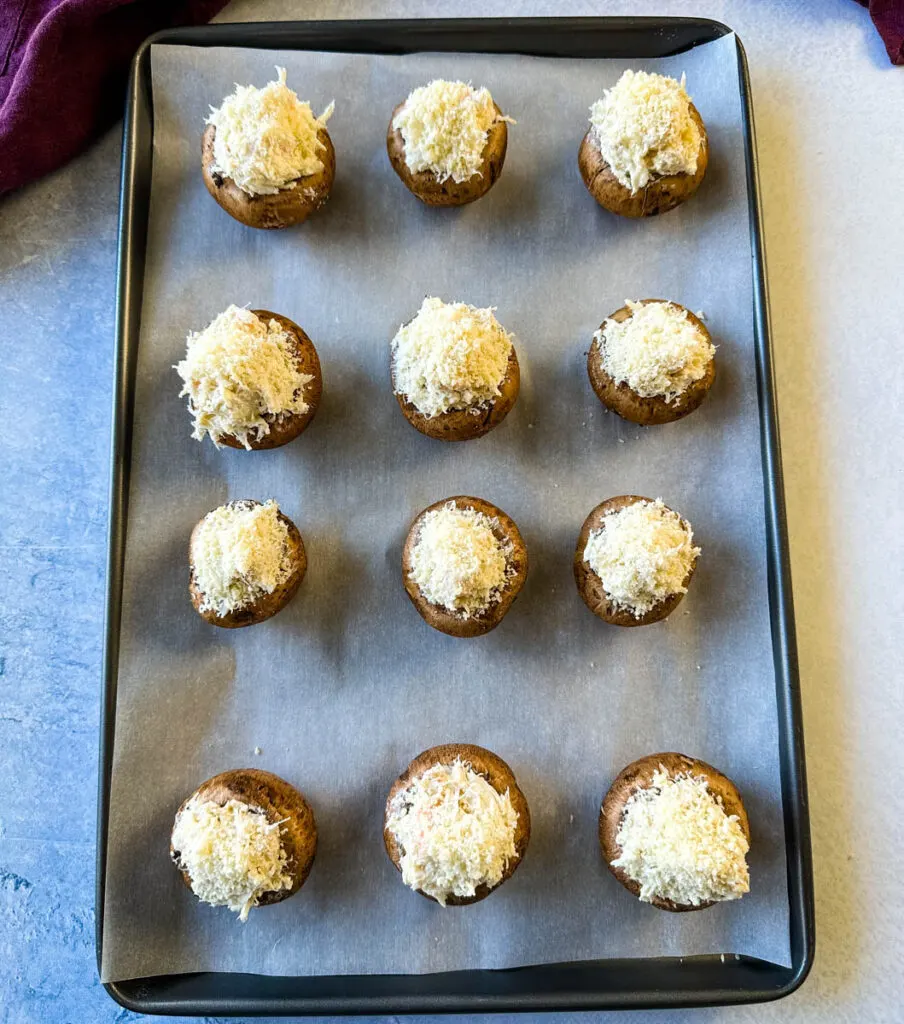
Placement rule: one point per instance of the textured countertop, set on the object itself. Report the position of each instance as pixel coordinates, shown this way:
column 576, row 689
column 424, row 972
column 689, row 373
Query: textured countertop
column 829, row 115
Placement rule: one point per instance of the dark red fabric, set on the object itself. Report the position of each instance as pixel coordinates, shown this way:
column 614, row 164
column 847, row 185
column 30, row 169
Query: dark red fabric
column 888, row 17
column 63, row 67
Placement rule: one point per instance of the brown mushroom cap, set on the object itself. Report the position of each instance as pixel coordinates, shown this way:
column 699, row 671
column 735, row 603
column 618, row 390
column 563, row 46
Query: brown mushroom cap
column 590, row 586
column 425, row 184
column 500, row 777
column 281, row 209
column 280, row 802
column 441, row 618
column 284, row 429
column 621, row 398
column 266, row 605
column 467, row 424
column 658, row 196
column 639, row 775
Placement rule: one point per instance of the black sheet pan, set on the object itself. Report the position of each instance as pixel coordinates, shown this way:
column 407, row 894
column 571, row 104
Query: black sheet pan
column 598, row 984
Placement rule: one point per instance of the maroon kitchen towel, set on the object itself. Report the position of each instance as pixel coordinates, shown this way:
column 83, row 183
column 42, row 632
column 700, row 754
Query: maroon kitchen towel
column 63, row 67
column 888, row 17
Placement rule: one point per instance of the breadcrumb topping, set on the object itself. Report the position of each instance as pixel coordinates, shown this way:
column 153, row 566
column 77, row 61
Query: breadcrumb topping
column 445, row 126
column 455, row 831
column 678, row 843
column 450, row 356
column 644, row 129
column 457, row 560
column 642, row 553
column 232, row 853
column 266, row 139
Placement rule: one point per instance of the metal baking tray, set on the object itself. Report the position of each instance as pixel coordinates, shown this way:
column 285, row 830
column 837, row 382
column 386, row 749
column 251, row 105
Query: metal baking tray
column 587, row 985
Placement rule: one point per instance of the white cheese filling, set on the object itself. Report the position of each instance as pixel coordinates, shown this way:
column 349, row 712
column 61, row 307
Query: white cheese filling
column 450, row 356
column 657, row 351
column 678, row 843
column 238, row 370
column 457, row 561
column 240, row 552
column 444, row 126
column 232, row 853
column 455, row 832
column 644, row 129
column 643, row 554
column 266, row 138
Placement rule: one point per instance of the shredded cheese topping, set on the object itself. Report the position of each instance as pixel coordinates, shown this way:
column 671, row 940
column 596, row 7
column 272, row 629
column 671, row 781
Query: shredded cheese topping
column 657, row 350
column 455, row 831
column 266, row 138
column 678, row 843
column 457, row 561
column 232, row 853
column 444, row 126
column 644, row 129
column 237, row 370
column 643, row 553
column 450, row 356
column 240, row 552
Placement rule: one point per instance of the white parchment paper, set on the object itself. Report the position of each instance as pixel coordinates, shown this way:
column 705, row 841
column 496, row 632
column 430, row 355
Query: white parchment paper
column 343, row 687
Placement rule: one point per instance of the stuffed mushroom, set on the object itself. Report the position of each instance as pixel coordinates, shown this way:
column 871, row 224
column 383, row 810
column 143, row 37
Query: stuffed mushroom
column 463, row 565
column 244, row 839
column 456, row 824
column 252, row 379
column 455, row 371
column 246, row 562
column 652, row 362
column 634, row 560
column 673, row 830
column 266, row 159
column 447, row 142
column 646, row 150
